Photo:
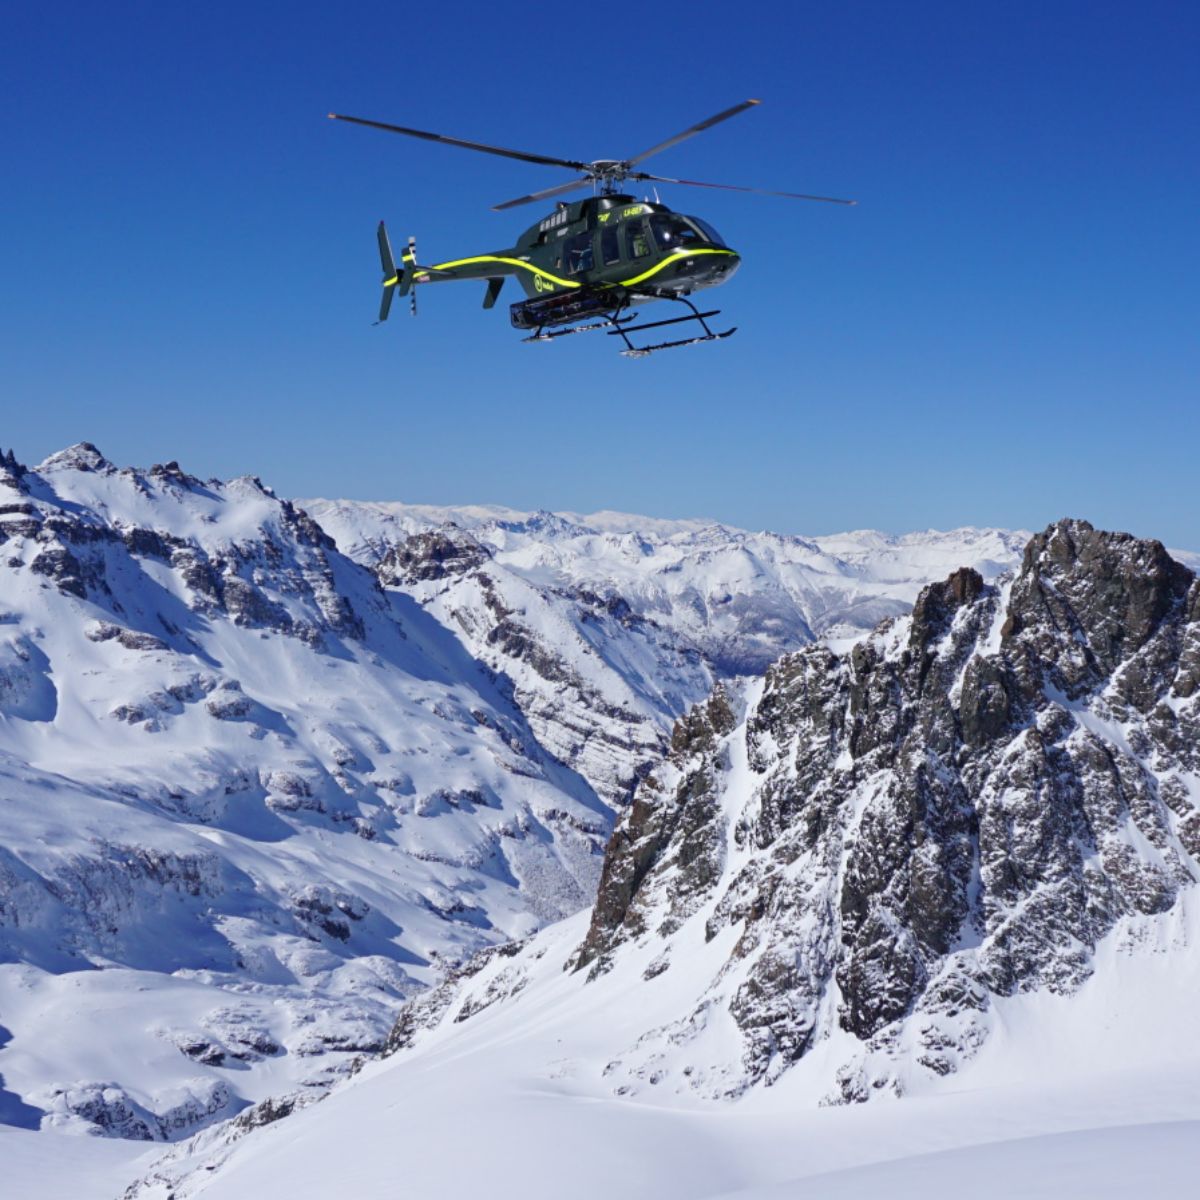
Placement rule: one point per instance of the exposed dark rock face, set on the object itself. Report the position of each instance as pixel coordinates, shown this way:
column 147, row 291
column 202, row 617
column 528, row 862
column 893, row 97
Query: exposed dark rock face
column 435, row 554
column 683, row 820
column 960, row 808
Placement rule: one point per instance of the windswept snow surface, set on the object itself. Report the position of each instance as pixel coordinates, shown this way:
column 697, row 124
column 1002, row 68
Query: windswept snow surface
column 48, row 1167
column 1093, row 1095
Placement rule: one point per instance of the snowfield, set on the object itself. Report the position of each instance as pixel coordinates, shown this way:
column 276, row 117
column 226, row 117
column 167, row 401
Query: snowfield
column 515, row 1103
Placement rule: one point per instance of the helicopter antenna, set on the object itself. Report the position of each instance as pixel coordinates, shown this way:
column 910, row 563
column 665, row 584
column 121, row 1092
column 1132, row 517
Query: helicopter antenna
column 604, row 174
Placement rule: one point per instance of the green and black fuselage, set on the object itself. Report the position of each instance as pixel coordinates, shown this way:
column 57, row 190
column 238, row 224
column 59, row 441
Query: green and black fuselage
column 602, row 254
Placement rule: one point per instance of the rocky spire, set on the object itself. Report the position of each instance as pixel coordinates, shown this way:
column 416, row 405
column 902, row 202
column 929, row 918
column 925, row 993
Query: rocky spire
column 10, row 466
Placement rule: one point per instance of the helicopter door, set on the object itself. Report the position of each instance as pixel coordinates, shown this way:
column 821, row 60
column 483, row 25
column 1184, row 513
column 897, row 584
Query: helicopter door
column 637, row 244
column 610, row 245
column 578, row 254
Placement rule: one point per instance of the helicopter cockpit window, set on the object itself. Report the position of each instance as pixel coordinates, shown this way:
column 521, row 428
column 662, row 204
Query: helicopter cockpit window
column 708, row 231
column 578, row 253
column 610, row 246
column 636, row 242
column 673, row 233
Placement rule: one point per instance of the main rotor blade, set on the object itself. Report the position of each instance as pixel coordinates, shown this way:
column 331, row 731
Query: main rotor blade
column 733, row 187
column 544, row 195
column 695, row 129
column 441, row 137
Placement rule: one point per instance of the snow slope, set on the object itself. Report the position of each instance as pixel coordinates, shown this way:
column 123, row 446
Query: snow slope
column 514, row 1102
column 248, row 801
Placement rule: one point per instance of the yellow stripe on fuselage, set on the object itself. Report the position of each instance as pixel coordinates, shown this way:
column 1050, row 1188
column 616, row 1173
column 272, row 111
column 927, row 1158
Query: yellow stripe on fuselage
column 512, row 262
column 666, row 262
column 571, row 283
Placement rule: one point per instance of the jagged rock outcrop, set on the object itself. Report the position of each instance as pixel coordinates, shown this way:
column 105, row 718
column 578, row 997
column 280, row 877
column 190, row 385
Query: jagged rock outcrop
column 959, row 809
column 433, row 554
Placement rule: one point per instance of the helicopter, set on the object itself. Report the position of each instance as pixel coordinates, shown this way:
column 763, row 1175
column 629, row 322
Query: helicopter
column 587, row 263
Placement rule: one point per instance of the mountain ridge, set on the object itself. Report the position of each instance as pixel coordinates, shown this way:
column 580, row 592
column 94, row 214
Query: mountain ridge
column 880, row 844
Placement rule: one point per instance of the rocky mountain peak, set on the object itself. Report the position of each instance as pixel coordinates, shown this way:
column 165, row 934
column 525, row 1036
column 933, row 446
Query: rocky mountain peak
column 172, row 472
column 83, row 456
column 10, row 467
column 937, row 604
column 1085, row 600
column 962, row 808
column 440, row 553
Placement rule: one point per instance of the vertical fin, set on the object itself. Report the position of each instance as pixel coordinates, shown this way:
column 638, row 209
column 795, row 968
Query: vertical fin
column 390, row 278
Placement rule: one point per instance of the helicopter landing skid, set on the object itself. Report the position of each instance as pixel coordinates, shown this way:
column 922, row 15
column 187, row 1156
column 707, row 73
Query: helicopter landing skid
column 618, row 325
column 632, row 351
column 615, row 319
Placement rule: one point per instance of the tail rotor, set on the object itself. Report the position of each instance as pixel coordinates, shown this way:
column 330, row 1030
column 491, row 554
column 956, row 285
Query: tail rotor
column 396, row 281
column 409, row 258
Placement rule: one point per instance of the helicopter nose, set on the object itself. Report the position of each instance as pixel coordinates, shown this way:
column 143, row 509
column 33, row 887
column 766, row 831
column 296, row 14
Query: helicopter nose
column 730, row 263
column 713, row 267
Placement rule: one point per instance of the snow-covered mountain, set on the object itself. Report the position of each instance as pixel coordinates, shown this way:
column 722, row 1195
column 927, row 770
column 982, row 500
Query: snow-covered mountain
column 955, row 863
column 610, row 626
column 265, row 776
column 249, row 800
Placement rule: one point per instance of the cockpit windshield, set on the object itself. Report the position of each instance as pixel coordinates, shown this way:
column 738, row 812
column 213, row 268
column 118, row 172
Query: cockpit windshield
column 673, row 232
column 708, row 231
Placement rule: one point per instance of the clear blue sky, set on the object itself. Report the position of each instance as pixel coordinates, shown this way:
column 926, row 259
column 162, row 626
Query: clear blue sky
column 1004, row 331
